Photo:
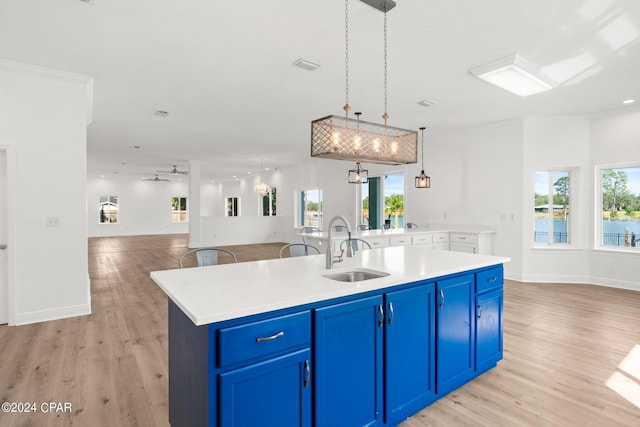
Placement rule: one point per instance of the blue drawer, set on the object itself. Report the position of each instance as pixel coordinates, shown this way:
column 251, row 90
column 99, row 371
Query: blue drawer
column 489, row 279
column 267, row 338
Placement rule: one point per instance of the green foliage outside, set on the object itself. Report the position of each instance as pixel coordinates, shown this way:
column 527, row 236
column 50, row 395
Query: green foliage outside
column 617, row 201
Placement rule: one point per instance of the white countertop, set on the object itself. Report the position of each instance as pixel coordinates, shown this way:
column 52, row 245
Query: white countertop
column 229, row 291
column 472, row 229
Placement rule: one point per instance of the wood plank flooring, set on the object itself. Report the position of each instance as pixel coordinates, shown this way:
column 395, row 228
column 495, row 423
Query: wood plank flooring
column 572, row 352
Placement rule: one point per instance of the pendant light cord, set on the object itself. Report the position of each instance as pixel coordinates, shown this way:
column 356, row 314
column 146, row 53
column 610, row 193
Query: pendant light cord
column 422, row 154
column 346, row 56
column 385, row 116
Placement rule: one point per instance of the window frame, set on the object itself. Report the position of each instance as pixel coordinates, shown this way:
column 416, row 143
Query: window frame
column 300, row 213
column 108, row 201
column 598, row 210
column 570, row 241
column 235, row 211
column 185, row 211
column 272, row 196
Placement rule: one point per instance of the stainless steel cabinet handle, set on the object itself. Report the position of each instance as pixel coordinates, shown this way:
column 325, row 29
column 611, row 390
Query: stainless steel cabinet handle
column 479, row 311
column 307, row 373
column 441, row 298
column 380, row 309
column 492, row 279
column 390, row 312
column 272, row 337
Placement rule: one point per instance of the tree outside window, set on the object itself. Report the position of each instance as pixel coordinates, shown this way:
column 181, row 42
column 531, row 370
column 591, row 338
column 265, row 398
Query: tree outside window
column 552, row 207
column 179, row 209
column 620, row 214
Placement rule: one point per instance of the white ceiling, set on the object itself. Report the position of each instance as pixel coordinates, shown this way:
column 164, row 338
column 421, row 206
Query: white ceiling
column 223, row 69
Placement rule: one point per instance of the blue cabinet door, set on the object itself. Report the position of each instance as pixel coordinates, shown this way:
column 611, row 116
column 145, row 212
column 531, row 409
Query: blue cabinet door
column 348, row 364
column 274, row 393
column 455, row 332
column 488, row 330
column 409, row 351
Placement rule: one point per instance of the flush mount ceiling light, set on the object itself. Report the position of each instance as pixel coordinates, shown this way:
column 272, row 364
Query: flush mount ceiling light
column 422, row 180
column 515, row 74
column 262, row 189
column 343, row 138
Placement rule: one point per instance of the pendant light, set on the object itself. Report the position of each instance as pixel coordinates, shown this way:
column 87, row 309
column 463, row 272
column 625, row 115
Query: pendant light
column 358, row 175
column 332, row 136
column 422, row 180
column 262, row 189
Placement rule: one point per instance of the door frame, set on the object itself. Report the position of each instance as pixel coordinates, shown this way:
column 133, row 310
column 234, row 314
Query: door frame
column 11, row 215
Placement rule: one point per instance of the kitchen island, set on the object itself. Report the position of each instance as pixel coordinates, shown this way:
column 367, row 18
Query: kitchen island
column 276, row 343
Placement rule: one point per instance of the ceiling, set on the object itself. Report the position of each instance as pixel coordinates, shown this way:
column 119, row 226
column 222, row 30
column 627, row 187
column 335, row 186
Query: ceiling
column 223, row 69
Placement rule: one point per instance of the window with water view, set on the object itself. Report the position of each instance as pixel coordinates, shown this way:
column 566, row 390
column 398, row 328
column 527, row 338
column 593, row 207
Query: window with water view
column 552, row 207
column 620, row 215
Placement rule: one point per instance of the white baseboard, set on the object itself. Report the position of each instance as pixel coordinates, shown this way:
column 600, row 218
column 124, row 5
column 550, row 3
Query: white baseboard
column 587, row 280
column 52, row 314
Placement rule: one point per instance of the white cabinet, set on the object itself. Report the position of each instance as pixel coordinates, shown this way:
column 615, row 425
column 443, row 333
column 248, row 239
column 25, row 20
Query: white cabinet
column 475, row 243
column 421, row 240
column 377, row 242
column 403, row 240
column 440, row 241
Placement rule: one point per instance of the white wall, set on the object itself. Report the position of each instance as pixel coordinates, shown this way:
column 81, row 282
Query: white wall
column 144, row 206
column 615, row 139
column 44, row 122
column 476, row 179
column 550, row 143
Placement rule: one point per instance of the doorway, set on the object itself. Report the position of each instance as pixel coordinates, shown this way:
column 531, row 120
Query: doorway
column 382, row 203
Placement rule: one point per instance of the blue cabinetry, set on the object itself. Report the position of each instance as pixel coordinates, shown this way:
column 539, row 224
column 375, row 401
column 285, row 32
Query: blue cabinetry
column 489, row 304
column 348, row 363
column 365, row 360
column 409, row 352
column 455, row 332
column 273, row 393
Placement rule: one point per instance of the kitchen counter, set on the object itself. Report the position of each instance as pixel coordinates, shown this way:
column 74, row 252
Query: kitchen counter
column 218, row 293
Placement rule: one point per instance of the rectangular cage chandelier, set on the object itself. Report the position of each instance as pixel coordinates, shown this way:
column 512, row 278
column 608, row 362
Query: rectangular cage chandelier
column 342, row 138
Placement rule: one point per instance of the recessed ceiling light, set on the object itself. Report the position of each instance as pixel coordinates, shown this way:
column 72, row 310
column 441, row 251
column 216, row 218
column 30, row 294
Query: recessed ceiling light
column 514, row 74
column 425, row 103
column 305, row 65
column 162, row 113
column 628, row 101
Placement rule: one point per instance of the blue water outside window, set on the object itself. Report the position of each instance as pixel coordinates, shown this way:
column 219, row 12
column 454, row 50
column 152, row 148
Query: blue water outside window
column 620, row 207
column 552, row 207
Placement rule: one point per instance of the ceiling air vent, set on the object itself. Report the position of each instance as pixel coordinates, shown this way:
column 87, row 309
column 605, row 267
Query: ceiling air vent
column 305, row 65
column 425, row 103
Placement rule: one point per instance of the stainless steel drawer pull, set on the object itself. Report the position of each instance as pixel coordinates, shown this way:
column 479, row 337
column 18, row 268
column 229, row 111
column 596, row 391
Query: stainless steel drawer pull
column 272, row 337
column 492, row 279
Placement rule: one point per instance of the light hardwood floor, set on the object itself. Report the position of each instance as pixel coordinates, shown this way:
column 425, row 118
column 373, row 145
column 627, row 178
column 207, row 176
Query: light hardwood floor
column 572, row 352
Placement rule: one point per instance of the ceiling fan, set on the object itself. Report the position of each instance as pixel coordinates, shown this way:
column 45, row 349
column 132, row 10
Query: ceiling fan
column 156, row 179
column 175, row 171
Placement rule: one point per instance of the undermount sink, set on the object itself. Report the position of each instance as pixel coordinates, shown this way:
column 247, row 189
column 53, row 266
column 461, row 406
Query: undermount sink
column 356, row 275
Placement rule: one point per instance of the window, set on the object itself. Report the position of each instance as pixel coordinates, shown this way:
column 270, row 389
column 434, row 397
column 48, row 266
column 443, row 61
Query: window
column 179, row 209
column 268, row 203
column 310, row 214
column 620, row 207
column 552, row 207
column 233, row 206
column 108, row 210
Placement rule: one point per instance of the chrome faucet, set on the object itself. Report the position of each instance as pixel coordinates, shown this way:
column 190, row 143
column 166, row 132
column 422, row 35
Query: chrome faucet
column 330, row 259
